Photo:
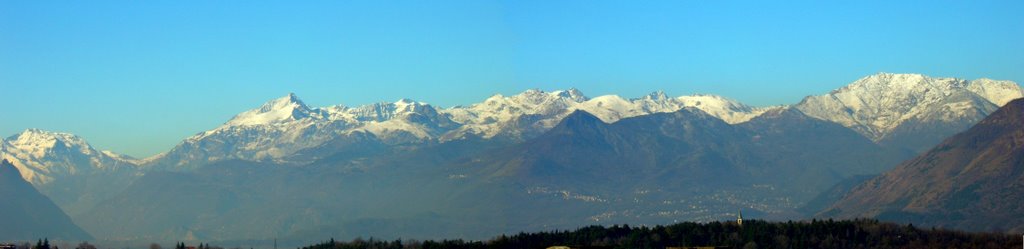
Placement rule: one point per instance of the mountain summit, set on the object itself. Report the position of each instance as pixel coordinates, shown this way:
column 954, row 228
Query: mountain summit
column 41, row 156
column 287, row 108
column 926, row 109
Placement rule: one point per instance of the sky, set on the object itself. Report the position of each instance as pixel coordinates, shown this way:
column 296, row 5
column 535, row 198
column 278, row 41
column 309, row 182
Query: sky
column 137, row 77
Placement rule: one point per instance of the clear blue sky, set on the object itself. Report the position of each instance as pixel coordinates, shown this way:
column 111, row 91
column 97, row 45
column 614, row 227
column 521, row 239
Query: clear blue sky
column 138, row 76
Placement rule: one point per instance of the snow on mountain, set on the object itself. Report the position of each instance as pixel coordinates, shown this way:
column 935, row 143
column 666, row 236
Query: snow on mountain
column 284, row 109
column 535, row 111
column 611, row 108
column 389, row 121
column 276, row 129
column 876, row 105
column 42, row 156
column 284, row 126
column 998, row 92
column 728, row 110
column 515, row 116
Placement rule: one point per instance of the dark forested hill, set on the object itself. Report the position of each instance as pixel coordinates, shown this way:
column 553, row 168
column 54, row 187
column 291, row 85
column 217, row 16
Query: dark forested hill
column 752, row 234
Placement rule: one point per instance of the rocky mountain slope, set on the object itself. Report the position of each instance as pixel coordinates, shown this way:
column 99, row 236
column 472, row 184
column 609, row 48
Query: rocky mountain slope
column 28, row 214
column 973, row 180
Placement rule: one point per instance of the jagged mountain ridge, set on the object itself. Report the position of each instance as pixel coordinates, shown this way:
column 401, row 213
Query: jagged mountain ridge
column 285, row 126
column 970, row 181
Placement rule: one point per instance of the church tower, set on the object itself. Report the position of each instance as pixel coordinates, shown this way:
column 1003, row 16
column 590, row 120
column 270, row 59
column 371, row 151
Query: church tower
column 739, row 218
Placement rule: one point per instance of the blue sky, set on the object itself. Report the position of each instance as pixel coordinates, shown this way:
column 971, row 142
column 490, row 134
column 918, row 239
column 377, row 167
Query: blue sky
column 138, row 76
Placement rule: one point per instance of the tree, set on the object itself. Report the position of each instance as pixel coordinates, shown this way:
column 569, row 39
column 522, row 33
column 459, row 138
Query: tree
column 85, row 245
column 750, row 245
column 155, row 246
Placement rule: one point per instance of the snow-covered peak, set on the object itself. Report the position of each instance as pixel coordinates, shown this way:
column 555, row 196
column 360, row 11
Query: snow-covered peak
column 380, row 112
column 713, row 102
column 877, row 104
column 499, row 108
column 882, row 81
column 730, row 111
column 42, row 156
column 408, row 105
column 998, row 92
column 537, row 97
column 39, row 142
column 611, row 108
column 656, row 96
column 573, row 94
column 287, row 108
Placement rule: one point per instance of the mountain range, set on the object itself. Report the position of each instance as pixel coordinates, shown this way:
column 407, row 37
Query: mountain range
column 535, row 160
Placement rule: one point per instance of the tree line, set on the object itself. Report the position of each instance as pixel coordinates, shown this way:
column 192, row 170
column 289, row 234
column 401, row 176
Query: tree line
column 45, row 244
column 859, row 233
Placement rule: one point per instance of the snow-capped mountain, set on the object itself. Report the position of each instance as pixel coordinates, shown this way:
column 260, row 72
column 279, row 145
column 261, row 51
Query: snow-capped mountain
column 282, row 110
column 878, row 105
column 284, row 126
column 277, row 128
column 68, row 170
column 42, row 156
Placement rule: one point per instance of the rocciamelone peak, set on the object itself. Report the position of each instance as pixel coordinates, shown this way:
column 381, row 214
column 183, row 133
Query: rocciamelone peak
column 287, row 108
